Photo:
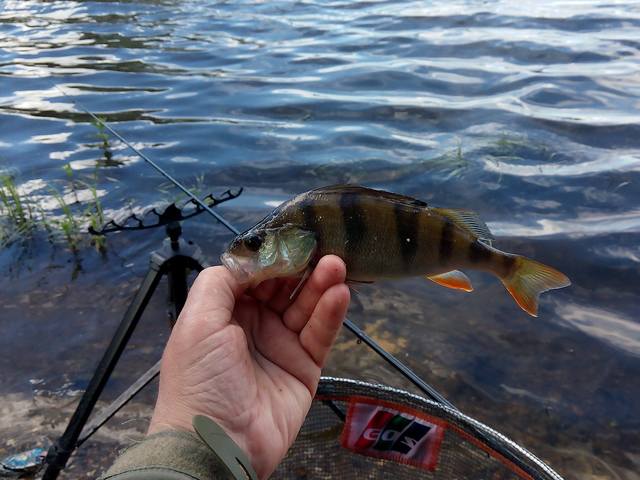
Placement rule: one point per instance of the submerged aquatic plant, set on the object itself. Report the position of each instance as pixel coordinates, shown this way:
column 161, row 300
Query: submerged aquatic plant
column 75, row 221
column 512, row 147
column 23, row 214
column 103, row 136
column 69, row 171
column 457, row 160
column 67, row 224
column 17, row 212
column 95, row 214
column 452, row 160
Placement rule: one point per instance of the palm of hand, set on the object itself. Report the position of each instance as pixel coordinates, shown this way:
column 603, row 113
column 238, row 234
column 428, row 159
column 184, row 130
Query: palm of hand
column 251, row 361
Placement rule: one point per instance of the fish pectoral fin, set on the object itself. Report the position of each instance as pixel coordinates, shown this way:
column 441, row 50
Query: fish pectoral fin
column 302, row 281
column 454, row 279
column 358, row 282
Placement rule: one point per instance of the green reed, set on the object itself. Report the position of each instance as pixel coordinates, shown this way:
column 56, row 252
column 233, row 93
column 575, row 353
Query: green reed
column 68, row 225
column 95, row 214
column 17, row 212
column 453, row 160
column 21, row 215
column 103, row 136
column 92, row 214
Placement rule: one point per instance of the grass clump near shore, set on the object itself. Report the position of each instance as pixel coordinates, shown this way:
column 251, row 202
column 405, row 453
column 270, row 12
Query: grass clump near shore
column 17, row 213
column 22, row 214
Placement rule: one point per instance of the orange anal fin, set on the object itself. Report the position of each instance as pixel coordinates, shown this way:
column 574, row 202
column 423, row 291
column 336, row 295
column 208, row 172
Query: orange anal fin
column 454, row 279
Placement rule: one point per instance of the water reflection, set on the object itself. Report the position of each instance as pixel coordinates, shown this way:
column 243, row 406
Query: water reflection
column 619, row 160
column 53, row 138
column 615, row 329
column 587, row 225
column 525, row 112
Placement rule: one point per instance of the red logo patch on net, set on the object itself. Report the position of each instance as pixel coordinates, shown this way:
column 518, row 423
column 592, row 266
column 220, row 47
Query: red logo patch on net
column 392, row 432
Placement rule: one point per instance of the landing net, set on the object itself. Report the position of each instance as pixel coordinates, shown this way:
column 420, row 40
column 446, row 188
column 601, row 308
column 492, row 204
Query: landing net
column 364, row 431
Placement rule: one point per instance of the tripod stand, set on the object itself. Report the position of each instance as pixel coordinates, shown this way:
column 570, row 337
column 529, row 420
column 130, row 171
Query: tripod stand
column 174, row 259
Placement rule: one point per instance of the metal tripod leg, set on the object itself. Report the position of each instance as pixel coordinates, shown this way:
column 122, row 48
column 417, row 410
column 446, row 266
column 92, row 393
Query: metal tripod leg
column 178, row 288
column 174, row 260
column 60, row 452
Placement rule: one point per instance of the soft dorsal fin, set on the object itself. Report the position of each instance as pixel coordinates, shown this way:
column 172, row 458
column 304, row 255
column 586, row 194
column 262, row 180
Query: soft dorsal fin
column 469, row 221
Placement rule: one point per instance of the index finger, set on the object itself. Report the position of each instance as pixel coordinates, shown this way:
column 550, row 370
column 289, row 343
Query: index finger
column 330, row 271
column 320, row 332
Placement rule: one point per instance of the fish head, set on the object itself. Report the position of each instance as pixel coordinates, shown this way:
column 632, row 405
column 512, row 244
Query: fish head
column 262, row 253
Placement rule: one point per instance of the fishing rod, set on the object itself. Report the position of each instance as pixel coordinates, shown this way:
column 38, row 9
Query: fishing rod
column 409, row 374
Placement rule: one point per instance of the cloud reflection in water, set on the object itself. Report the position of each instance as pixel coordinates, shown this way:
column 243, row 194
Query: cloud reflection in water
column 618, row 331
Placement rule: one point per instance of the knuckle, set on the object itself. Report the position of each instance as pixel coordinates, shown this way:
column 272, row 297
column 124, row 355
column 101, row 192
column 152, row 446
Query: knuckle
column 212, row 272
column 213, row 278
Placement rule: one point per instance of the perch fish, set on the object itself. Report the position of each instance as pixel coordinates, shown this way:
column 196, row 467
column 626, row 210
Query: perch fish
column 382, row 235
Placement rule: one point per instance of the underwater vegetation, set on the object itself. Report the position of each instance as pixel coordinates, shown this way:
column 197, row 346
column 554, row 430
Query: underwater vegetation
column 76, row 206
column 17, row 215
column 23, row 215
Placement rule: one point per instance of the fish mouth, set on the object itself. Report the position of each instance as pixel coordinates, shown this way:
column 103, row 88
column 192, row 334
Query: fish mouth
column 239, row 269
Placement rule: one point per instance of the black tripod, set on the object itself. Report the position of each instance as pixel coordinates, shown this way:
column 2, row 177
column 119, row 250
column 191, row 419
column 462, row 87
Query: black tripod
column 175, row 259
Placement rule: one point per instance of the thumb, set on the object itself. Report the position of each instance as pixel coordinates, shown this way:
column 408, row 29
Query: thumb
column 212, row 297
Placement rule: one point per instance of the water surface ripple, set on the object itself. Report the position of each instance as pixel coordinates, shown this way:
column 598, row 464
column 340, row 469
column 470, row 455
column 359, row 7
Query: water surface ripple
column 528, row 112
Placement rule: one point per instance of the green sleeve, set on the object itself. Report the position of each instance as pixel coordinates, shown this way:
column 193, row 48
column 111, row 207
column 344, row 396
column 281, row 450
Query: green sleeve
column 169, row 455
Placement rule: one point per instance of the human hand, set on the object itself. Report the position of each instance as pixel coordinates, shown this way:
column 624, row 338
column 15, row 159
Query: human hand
column 251, row 359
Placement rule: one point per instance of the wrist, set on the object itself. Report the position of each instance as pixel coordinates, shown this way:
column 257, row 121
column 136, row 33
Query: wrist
column 227, row 452
column 163, row 420
column 224, row 448
column 181, row 420
column 177, row 451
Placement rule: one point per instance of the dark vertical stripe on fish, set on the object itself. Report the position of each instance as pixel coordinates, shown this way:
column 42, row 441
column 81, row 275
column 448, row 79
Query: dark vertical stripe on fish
column 446, row 241
column 312, row 215
column 407, row 231
column 310, row 219
column 479, row 252
column 355, row 227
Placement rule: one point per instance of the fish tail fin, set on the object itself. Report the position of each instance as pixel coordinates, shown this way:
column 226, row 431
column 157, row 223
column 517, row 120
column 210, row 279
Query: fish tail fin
column 528, row 279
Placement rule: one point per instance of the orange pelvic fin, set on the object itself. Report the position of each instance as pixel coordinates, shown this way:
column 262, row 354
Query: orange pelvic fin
column 529, row 279
column 454, row 279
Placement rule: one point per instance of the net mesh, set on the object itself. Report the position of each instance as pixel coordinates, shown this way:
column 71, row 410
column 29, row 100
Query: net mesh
column 468, row 448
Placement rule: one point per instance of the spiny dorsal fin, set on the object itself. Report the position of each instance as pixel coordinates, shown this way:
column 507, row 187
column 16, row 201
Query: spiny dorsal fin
column 468, row 220
column 360, row 190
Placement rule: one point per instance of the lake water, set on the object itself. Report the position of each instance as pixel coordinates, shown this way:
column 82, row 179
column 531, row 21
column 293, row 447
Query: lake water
column 527, row 112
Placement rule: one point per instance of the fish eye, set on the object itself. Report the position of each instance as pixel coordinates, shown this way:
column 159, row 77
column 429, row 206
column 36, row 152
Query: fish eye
column 253, row 242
